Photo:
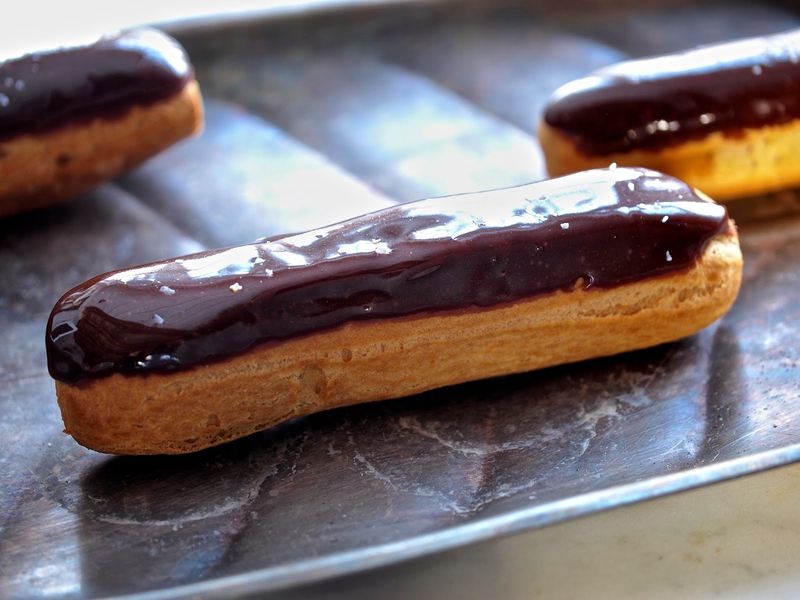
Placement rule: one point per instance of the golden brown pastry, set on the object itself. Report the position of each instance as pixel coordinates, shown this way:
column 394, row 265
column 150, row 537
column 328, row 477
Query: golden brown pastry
column 74, row 117
column 180, row 355
column 724, row 118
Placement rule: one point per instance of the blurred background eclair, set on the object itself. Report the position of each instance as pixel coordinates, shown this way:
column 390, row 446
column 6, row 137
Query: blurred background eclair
column 724, row 118
column 73, row 117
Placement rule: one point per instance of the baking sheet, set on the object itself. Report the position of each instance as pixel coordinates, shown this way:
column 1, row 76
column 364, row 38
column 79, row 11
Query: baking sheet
column 314, row 119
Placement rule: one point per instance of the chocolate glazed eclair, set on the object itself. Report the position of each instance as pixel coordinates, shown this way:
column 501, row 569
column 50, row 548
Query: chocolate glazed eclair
column 724, row 118
column 73, row 117
column 180, row 355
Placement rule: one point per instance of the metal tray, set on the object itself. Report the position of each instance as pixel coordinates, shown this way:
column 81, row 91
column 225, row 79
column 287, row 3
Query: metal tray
column 313, row 119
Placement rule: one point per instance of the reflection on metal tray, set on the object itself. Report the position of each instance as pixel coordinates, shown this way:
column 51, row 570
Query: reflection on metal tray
column 312, row 120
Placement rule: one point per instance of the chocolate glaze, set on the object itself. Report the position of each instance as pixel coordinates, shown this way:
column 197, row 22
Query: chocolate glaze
column 43, row 91
column 659, row 102
column 602, row 228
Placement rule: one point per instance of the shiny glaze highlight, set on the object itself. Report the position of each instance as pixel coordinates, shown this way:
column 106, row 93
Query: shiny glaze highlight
column 598, row 229
column 659, row 102
column 46, row 90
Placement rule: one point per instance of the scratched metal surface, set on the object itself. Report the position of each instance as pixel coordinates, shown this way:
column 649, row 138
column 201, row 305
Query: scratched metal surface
column 313, row 120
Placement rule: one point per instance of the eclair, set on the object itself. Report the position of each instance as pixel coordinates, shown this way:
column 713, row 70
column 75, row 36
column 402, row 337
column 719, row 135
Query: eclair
column 73, row 117
column 179, row 355
column 724, row 118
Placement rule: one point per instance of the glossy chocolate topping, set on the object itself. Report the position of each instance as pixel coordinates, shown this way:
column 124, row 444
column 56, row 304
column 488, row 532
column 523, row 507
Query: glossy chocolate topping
column 658, row 102
column 42, row 91
column 602, row 227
